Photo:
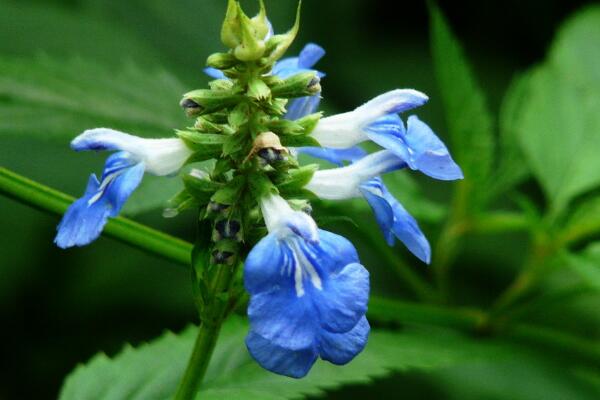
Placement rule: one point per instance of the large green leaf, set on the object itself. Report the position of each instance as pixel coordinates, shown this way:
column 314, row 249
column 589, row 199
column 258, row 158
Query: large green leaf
column 56, row 100
column 152, row 370
column 468, row 118
column 511, row 166
column 559, row 123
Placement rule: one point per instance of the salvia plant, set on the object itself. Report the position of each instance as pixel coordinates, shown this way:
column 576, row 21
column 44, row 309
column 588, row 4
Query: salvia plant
column 308, row 291
column 507, row 309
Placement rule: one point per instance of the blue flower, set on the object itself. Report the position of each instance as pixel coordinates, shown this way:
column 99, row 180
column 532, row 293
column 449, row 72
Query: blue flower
column 123, row 171
column 308, row 294
column 377, row 121
column 418, row 145
column 392, row 218
column 308, row 57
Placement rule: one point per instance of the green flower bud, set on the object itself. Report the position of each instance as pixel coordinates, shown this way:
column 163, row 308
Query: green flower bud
column 299, row 85
column 259, row 22
column 221, row 60
column 231, row 34
column 191, row 108
column 204, row 101
column 251, row 47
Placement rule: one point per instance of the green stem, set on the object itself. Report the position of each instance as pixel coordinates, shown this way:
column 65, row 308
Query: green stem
column 448, row 243
column 34, row 194
column 208, row 333
column 198, row 363
column 473, row 321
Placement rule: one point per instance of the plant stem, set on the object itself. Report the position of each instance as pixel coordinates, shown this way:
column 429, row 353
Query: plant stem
column 447, row 246
column 208, row 333
column 198, row 363
column 34, row 194
column 473, row 321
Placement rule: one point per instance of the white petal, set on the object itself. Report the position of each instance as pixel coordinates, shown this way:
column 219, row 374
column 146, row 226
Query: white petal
column 161, row 156
column 343, row 183
column 346, row 130
column 282, row 220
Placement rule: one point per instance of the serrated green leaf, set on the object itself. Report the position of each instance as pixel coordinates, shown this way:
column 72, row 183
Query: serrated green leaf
column 152, row 370
column 559, row 121
column 468, row 118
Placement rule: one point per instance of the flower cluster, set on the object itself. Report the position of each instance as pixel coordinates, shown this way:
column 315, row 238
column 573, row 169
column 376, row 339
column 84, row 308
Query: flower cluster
column 308, row 290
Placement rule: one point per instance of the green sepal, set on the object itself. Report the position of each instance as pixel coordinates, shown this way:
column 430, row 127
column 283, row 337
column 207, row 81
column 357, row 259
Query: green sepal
column 221, row 84
column 260, row 22
column 204, row 125
column 222, row 61
column 298, row 85
column 234, row 144
column 238, row 116
column 202, row 189
column 299, row 141
column 213, row 100
column 258, row 89
column 277, row 45
column 231, row 192
column 251, row 47
column 260, row 185
column 296, row 179
column 230, row 30
column 225, row 246
column 222, row 166
column 283, row 127
column 309, row 122
column 300, row 205
column 274, row 107
column 180, row 202
column 206, row 146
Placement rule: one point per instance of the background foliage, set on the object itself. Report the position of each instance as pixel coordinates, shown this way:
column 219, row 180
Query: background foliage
column 509, row 308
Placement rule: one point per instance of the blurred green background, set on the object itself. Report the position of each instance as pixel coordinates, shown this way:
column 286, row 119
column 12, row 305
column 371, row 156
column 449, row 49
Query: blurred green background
column 75, row 63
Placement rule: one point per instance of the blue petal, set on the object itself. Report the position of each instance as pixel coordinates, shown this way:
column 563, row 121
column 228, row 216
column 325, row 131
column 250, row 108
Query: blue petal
column 263, row 266
column 82, row 223
column 85, row 218
column 333, row 253
column 284, row 318
column 407, row 230
column 279, row 359
column 124, row 185
column 341, row 348
column 343, row 300
column 214, row 73
column 302, row 106
column 384, row 214
column 430, row 154
column 310, row 55
column 389, row 132
column 334, row 156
